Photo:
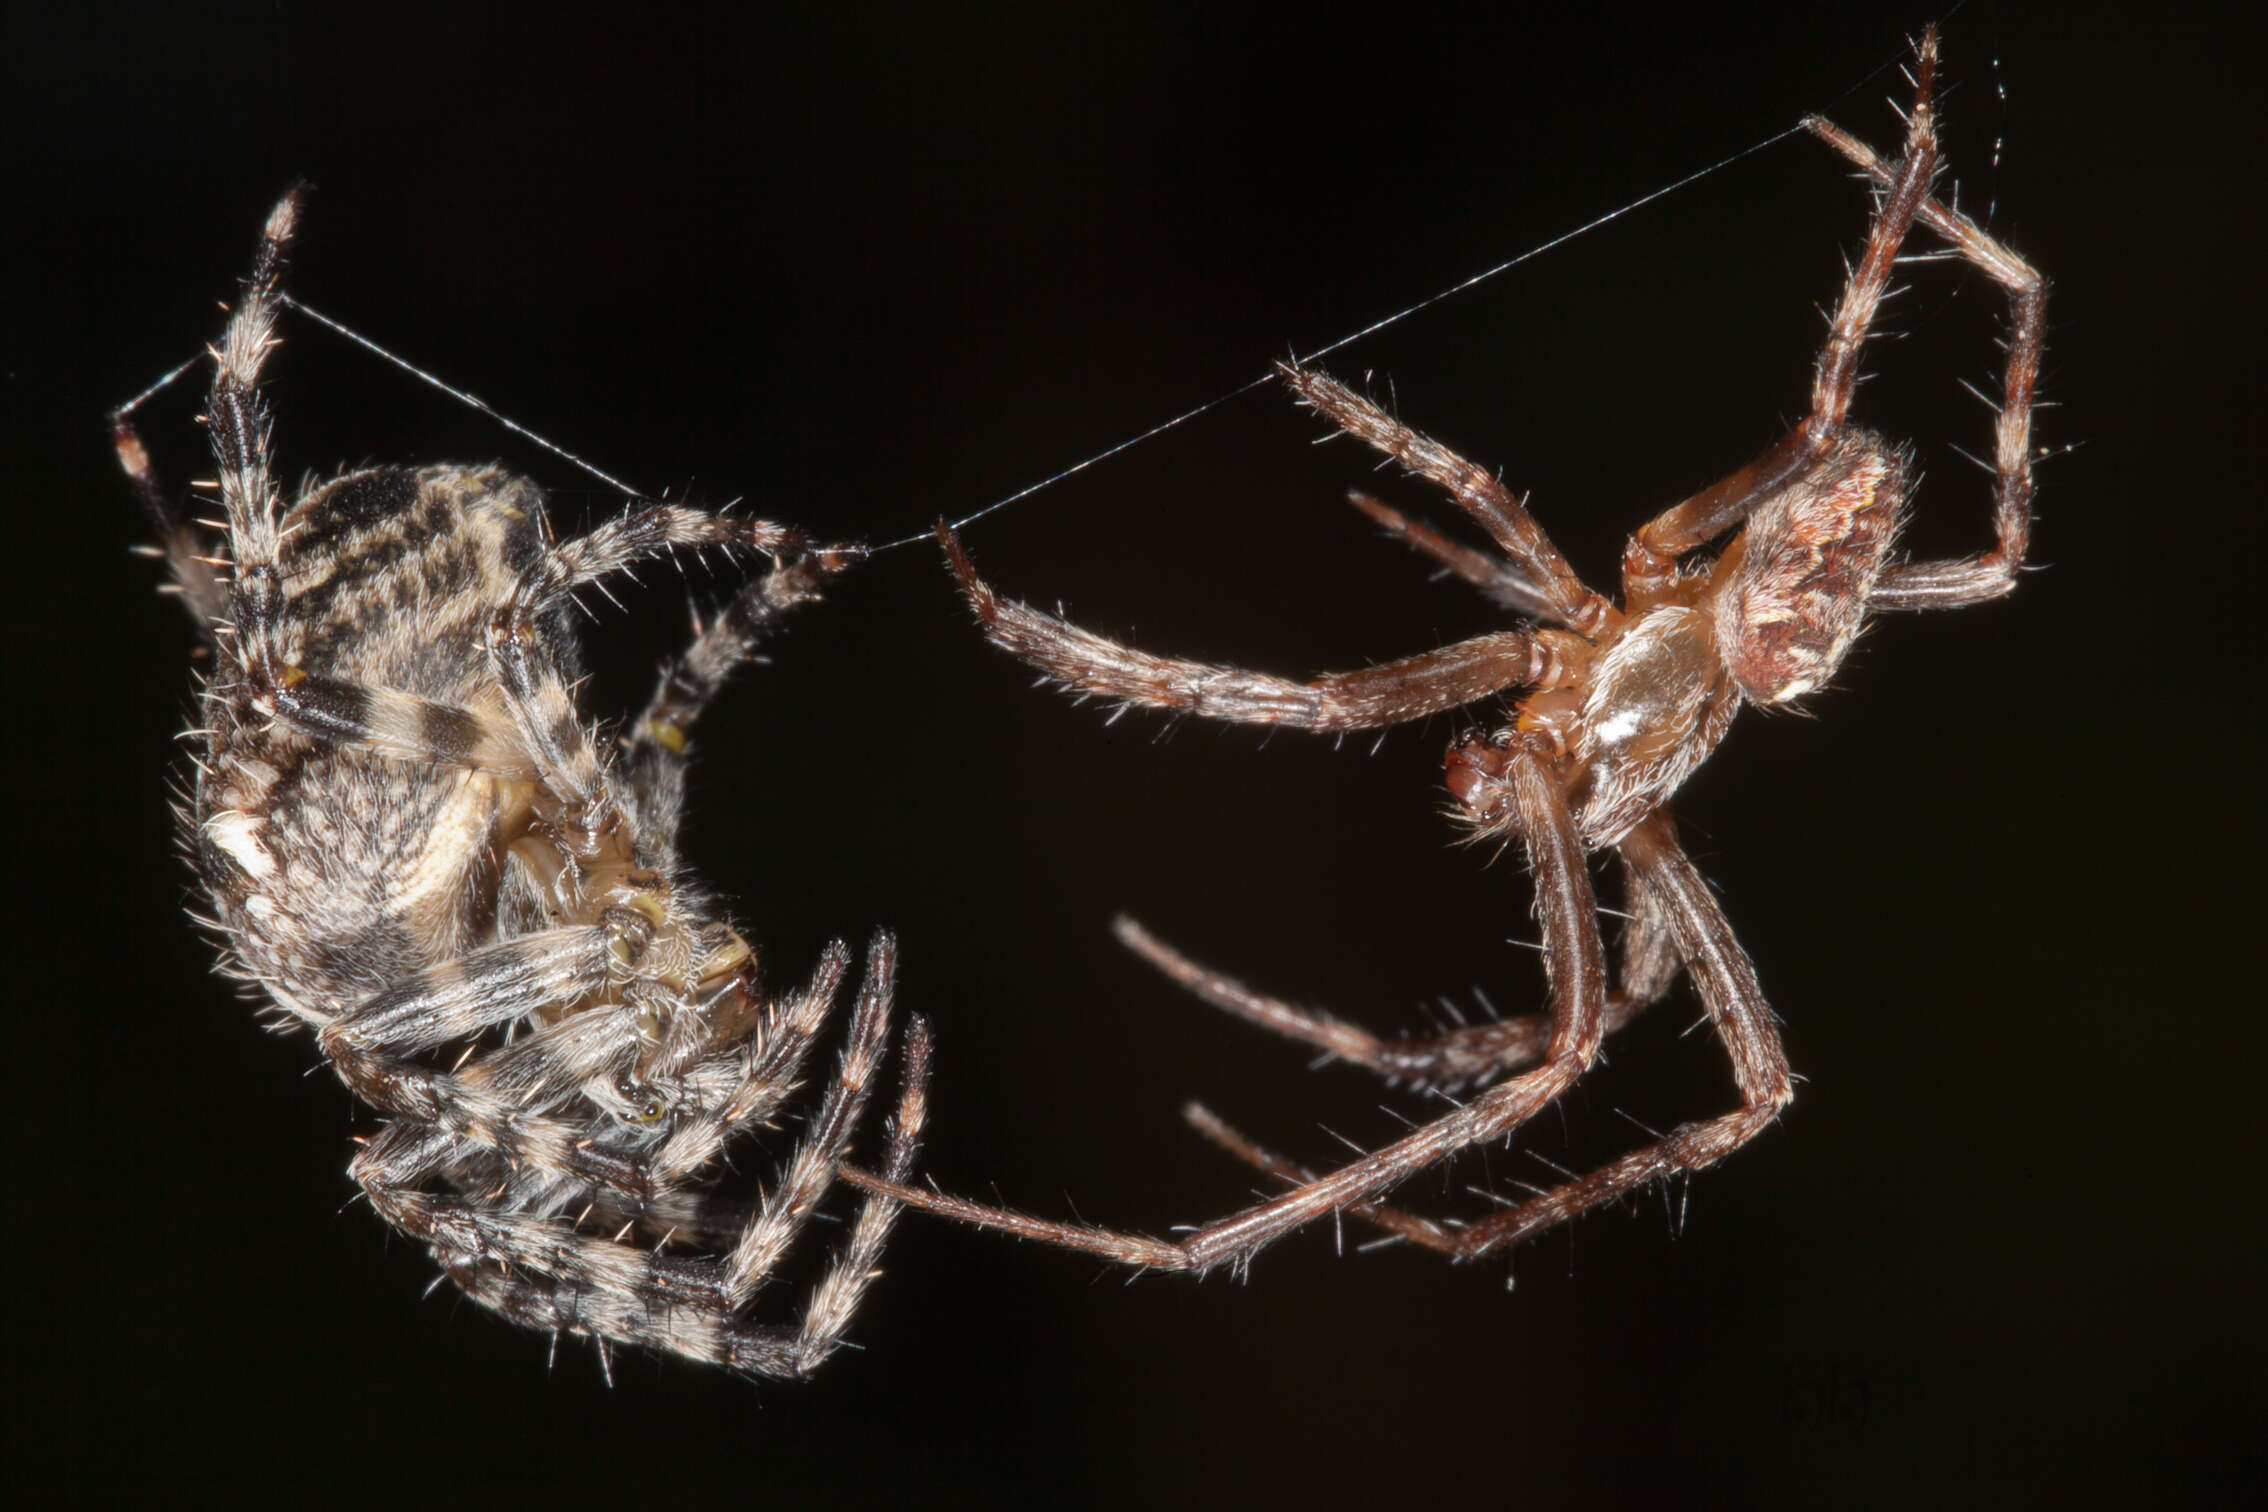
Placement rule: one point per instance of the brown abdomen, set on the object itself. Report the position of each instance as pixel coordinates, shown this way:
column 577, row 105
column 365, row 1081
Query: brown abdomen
column 1807, row 562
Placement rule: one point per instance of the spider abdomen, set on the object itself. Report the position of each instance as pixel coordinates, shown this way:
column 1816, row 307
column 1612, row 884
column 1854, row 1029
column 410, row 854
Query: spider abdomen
column 1802, row 571
column 336, row 869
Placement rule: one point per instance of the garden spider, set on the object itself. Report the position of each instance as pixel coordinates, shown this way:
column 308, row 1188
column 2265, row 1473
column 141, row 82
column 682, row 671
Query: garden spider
column 1622, row 705
column 416, row 848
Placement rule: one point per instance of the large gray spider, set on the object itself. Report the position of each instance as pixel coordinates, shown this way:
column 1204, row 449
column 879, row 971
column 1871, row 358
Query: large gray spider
column 1624, row 704
column 416, row 848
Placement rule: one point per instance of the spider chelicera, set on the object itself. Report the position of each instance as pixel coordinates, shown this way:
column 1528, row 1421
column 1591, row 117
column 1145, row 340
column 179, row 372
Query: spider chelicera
column 1622, row 704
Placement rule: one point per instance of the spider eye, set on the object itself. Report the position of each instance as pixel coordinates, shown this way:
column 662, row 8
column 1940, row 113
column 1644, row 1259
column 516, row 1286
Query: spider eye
column 644, row 1104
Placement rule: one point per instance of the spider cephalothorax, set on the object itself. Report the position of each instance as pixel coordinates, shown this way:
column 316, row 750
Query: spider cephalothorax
column 416, row 847
column 1622, row 704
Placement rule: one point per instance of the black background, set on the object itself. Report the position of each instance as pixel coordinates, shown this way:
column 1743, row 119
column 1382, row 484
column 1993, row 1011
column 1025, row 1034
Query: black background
column 2003, row 888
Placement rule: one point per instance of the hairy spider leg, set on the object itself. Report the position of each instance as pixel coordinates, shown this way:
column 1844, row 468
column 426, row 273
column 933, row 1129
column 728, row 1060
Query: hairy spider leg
column 490, row 1126
column 1854, row 486
column 1451, row 1059
column 654, row 749
column 1479, row 492
column 1989, row 575
column 1675, row 890
column 1576, row 968
column 530, row 1272
column 1390, row 693
column 1650, row 562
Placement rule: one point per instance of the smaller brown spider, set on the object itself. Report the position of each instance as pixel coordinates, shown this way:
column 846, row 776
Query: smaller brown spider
column 1623, row 704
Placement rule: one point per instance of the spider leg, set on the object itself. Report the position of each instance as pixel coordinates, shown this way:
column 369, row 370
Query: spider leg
column 1403, row 1225
column 238, row 420
column 837, row 1297
column 765, row 1082
column 1476, row 490
column 729, row 1095
column 690, row 1217
column 1391, row 693
column 1574, row 963
column 709, row 1102
column 1451, row 1059
column 686, row 688
column 501, row 1102
column 195, row 576
column 724, row 1095
column 654, row 748
column 1650, row 560
column 1970, row 580
column 781, row 1216
column 506, row 1100
column 489, row 987
column 391, row 723
column 1905, row 191
column 1728, row 985
column 541, row 705
column 618, row 1293
column 1727, row 982
column 632, row 537
column 540, row 1272
column 1507, row 585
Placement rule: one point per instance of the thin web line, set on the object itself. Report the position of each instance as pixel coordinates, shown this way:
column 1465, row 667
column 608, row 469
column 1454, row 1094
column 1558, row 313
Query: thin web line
column 471, row 401
column 1369, row 330
column 474, row 402
column 144, row 396
column 458, row 394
